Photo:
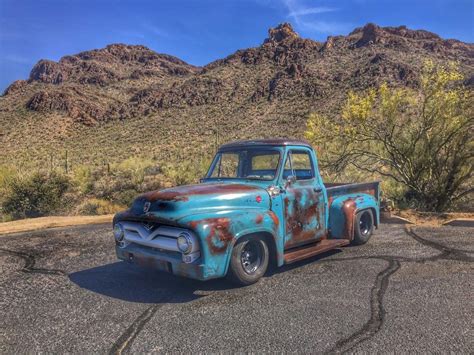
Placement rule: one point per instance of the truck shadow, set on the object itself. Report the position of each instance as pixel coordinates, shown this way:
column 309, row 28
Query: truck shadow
column 132, row 283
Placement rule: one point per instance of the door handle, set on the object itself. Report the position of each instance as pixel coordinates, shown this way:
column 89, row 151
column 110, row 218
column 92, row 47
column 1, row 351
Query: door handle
column 317, row 189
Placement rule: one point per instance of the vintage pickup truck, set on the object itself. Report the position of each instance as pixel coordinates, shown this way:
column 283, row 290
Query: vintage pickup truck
column 262, row 203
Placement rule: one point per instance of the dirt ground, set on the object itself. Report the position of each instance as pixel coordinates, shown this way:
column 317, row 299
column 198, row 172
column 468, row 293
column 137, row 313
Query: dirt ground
column 31, row 224
column 431, row 218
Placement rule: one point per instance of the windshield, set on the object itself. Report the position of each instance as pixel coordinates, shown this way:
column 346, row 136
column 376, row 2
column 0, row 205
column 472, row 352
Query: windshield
column 249, row 163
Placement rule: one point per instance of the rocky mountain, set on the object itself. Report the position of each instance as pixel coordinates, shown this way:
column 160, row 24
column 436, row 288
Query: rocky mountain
column 122, row 100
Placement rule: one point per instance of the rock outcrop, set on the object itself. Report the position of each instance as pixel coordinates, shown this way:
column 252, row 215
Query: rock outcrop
column 124, row 81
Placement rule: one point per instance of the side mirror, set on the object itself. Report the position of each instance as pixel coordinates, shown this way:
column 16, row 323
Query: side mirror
column 290, row 179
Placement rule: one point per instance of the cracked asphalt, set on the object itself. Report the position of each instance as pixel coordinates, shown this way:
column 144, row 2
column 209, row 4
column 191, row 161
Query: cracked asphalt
column 407, row 290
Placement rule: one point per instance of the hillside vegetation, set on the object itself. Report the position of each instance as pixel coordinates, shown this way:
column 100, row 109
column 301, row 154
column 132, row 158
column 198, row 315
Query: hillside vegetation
column 87, row 113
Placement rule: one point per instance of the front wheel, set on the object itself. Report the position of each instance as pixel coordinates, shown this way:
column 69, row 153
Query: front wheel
column 249, row 261
column 363, row 227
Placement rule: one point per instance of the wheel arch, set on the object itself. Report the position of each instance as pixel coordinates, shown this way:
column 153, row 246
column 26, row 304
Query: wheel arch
column 343, row 211
column 269, row 239
column 374, row 214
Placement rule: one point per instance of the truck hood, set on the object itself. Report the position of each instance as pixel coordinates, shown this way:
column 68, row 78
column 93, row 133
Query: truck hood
column 177, row 202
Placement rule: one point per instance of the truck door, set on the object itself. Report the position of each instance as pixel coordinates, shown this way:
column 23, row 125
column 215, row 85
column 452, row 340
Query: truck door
column 303, row 200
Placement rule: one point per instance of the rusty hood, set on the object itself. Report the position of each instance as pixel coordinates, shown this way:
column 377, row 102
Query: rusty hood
column 177, row 202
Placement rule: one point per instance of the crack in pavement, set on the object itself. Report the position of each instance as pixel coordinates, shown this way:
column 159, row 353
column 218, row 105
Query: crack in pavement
column 377, row 315
column 446, row 252
column 124, row 342
column 30, row 262
column 377, row 311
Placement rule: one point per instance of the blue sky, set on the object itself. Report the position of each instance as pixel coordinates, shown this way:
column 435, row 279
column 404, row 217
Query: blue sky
column 199, row 31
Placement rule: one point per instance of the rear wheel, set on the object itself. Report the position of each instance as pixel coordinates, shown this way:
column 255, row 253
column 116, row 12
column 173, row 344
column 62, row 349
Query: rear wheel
column 363, row 227
column 249, row 261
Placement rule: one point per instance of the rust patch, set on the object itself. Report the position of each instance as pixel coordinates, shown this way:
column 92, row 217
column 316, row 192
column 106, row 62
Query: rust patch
column 348, row 208
column 219, row 235
column 274, row 218
column 296, row 221
column 330, row 200
column 174, row 196
column 259, row 219
column 183, row 193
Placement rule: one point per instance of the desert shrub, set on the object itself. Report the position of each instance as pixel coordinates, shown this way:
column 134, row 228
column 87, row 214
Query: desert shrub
column 125, row 197
column 117, row 181
column 95, row 206
column 134, row 169
column 83, row 178
column 186, row 171
column 35, row 195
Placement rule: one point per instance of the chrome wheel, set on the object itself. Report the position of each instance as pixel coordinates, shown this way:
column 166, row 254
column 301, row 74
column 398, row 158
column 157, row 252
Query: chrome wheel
column 251, row 257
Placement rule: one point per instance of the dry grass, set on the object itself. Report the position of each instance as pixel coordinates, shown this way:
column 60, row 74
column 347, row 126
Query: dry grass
column 32, row 224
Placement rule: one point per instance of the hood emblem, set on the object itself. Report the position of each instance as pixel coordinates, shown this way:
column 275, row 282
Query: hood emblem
column 148, row 226
column 146, row 206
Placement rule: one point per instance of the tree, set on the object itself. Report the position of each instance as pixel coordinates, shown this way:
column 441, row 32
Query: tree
column 421, row 138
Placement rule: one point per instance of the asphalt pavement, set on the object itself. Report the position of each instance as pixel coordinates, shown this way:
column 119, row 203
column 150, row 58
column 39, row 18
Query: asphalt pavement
column 407, row 290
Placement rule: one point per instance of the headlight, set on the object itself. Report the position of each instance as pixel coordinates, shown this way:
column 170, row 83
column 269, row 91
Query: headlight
column 118, row 232
column 185, row 243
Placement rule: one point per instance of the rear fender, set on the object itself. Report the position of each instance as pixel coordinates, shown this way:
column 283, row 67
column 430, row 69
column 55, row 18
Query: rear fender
column 343, row 210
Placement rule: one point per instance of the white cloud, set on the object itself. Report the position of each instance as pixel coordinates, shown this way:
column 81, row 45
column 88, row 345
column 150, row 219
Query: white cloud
column 311, row 11
column 304, row 18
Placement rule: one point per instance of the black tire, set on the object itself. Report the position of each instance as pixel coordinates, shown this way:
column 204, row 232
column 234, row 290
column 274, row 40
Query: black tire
column 363, row 227
column 249, row 261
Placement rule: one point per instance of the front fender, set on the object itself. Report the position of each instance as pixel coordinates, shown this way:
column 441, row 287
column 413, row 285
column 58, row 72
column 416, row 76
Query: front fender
column 343, row 210
column 219, row 231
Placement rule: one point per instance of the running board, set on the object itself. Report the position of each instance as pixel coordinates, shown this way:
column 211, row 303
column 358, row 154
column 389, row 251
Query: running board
column 324, row 245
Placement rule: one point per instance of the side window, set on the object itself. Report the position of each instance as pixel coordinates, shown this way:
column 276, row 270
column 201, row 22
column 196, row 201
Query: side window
column 227, row 166
column 300, row 163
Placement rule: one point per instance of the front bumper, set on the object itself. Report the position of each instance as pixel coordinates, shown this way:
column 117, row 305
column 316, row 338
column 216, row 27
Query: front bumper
column 164, row 261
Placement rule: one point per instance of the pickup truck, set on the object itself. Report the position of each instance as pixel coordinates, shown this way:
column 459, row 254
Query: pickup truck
column 262, row 203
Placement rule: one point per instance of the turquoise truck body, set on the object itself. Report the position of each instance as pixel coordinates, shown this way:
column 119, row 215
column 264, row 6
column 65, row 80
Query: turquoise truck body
column 288, row 212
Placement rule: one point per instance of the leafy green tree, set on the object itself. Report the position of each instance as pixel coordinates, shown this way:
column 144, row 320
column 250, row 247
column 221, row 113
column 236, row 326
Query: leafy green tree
column 421, row 138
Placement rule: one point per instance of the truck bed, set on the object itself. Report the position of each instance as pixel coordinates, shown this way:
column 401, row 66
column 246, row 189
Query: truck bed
column 337, row 189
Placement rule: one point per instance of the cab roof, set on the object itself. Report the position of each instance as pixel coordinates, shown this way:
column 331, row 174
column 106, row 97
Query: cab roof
column 269, row 142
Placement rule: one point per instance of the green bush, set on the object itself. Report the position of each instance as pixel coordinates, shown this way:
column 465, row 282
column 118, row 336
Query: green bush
column 186, row 171
column 95, row 206
column 35, row 195
column 83, row 179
